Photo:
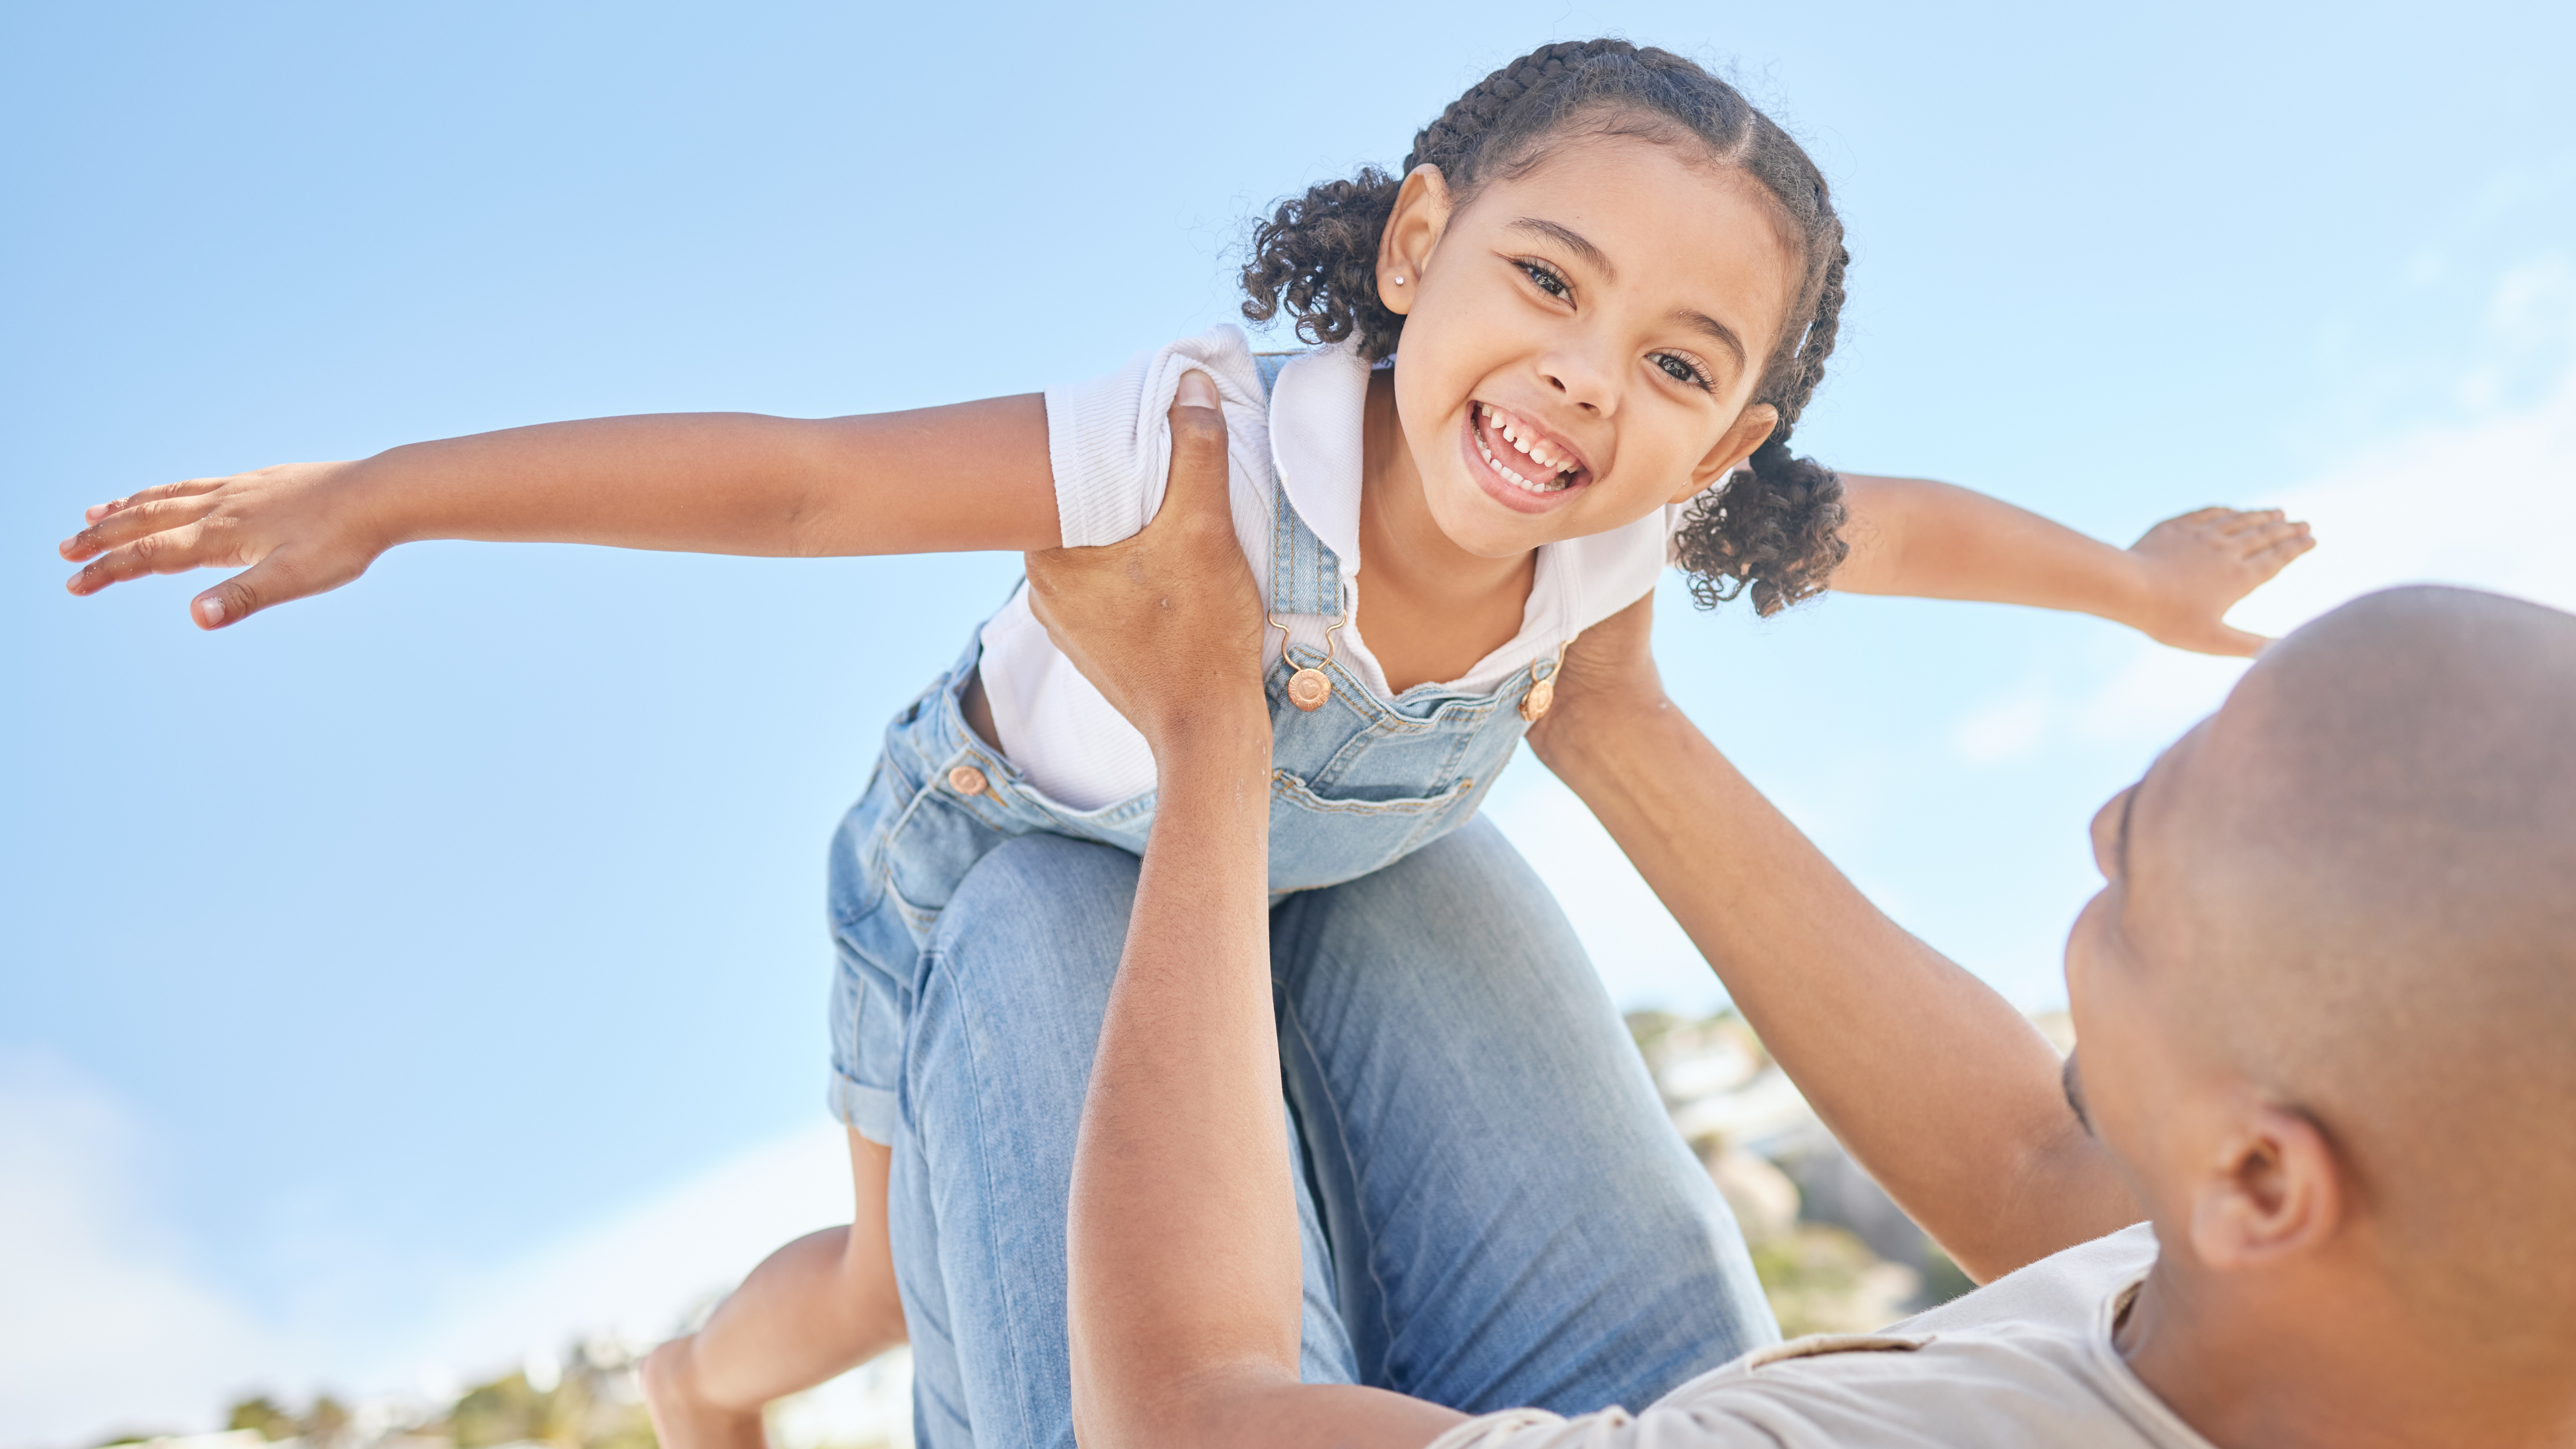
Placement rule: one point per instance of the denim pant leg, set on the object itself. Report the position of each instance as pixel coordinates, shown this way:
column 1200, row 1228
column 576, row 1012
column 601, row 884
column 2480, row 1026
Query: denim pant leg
column 1004, row 1022
column 1514, row 1220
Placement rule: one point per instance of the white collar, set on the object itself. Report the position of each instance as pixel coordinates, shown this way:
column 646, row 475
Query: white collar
column 1317, row 421
column 1318, row 424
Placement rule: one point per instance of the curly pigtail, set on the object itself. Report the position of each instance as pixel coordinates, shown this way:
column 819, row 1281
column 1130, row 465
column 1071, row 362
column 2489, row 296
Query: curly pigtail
column 1776, row 529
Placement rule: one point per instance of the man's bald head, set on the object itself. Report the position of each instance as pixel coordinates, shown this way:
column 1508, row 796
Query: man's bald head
column 2368, row 864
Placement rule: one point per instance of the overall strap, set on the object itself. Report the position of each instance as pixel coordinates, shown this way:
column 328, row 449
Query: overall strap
column 1305, row 576
column 1270, row 363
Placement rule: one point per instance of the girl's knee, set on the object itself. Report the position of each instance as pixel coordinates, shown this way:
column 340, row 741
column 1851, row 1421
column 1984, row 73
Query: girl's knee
column 1038, row 885
column 1038, row 920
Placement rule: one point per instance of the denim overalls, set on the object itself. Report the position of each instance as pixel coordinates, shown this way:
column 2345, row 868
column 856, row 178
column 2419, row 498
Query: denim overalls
column 1354, row 785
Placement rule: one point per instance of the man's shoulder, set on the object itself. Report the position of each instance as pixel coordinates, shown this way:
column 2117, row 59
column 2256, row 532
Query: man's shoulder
column 2066, row 1287
column 2025, row 1361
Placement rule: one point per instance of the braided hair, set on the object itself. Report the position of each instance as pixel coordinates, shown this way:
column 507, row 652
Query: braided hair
column 1773, row 530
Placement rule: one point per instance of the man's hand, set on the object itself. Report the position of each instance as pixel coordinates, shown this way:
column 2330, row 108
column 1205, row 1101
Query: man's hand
column 1182, row 1282
column 2197, row 566
column 1609, row 673
column 1166, row 624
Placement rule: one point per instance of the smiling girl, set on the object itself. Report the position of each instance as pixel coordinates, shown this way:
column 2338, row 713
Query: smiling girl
column 1615, row 285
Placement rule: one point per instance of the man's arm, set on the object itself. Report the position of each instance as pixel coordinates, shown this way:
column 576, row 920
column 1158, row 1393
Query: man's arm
column 1932, row 540
column 1938, row 1087
column 1183, row 1246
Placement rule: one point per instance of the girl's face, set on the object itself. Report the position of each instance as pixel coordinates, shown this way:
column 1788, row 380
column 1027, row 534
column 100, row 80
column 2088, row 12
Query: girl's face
column 1580, row 342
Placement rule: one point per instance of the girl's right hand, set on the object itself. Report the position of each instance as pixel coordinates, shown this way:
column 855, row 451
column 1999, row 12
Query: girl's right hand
column 297, row 528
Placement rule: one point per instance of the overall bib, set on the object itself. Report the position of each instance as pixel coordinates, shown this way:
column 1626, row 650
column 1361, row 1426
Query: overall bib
column 1354, row 785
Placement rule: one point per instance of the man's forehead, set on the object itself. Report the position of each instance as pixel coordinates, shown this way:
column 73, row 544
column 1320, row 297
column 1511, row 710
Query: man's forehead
column 2147, row 850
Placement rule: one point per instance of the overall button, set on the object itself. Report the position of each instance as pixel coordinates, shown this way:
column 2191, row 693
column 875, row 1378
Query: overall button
column 967, row 780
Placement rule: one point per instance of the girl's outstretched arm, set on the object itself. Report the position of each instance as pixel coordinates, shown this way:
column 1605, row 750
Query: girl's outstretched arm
column 1934, row 541
column 967, row 476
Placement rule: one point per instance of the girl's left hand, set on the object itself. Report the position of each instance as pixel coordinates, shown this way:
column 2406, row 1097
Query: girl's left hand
column 2194, row 568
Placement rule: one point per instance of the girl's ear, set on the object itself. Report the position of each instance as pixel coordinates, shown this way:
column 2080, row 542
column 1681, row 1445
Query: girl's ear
column 1412, row 230
column 1752, row 427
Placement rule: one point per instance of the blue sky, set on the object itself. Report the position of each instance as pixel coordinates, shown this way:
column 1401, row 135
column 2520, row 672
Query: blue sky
column 404, row 935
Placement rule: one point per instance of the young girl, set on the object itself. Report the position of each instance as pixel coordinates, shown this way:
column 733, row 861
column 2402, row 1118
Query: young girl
column 1615, row 284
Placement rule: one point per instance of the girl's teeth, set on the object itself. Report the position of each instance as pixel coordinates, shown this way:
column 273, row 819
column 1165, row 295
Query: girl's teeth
column 1539, row 453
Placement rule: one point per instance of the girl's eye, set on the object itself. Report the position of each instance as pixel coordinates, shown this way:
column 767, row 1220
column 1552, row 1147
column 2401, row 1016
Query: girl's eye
column 1546, row 280
column 1680, row 369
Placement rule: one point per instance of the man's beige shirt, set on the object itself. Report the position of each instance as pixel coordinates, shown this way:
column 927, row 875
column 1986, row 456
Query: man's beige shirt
column 2023, row 1362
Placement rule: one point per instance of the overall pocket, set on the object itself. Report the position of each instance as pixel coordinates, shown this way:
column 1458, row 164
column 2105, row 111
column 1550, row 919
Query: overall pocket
column 1320, row 839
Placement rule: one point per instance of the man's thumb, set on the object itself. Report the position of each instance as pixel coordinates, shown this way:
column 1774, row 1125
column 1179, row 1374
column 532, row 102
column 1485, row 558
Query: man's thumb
column 1198, row 438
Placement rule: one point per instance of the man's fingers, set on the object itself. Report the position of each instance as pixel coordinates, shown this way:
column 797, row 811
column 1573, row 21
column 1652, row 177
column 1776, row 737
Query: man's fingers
column 136, row 518
column 1195, row 502
column 1198, row 438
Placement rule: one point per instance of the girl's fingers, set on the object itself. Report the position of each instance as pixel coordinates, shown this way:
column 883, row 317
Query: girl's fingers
column 2282, row 551
column 175, row 551
column 2246, row 519
column 134, row 520
column 184, row 488
column 2251, row 541
column 273, row 580
column 2237, row 643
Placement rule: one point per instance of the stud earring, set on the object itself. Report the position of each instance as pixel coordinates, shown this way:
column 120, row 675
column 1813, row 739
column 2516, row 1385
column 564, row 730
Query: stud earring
column 1399, row 279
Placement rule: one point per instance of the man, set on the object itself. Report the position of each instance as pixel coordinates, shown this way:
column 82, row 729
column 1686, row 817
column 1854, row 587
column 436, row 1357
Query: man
column 2325, row 1001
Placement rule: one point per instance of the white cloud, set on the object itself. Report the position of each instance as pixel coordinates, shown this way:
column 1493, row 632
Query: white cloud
column 103, row 1322
column 106, row 1323
column 2003, row 729
column 2489, row 503
column 2156, row 695
column 640, row 1273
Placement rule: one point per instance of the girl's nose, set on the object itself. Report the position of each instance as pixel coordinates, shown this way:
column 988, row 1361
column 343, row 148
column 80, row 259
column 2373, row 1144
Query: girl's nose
column 1583, row 381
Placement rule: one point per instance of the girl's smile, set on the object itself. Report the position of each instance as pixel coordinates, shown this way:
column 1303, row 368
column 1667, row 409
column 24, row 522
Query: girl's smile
column 1524, row 466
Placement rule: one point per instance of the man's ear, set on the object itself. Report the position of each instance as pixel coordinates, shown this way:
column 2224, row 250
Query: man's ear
column 2274, row 1190
column 1412, row 232
column 1752, row 427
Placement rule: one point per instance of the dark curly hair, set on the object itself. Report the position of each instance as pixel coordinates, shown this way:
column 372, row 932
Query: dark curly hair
column 1774, row 530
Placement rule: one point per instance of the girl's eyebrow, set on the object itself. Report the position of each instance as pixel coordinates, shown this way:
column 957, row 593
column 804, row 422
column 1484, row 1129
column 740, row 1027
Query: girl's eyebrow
column 1572, row 241
column 1595, row 258
column 1702, row 322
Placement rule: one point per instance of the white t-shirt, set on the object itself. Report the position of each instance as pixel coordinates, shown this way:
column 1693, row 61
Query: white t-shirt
column 1110, row 443
column 2023, row 1363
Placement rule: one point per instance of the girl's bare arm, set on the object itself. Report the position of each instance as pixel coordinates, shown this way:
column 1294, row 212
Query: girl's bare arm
column 1934, row 541
column 967, row 476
